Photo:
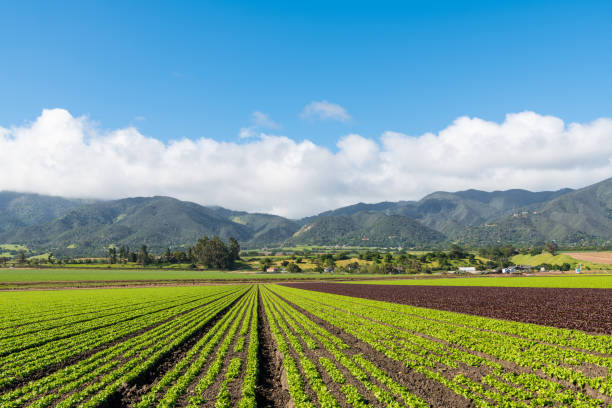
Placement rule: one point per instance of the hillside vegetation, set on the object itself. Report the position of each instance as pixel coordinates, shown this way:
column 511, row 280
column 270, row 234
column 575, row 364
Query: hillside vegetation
column 471, row 218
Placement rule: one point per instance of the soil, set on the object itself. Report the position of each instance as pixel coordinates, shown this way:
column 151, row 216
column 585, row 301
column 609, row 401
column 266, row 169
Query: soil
column 588, row 310
column 595, row 257
column 270, row 392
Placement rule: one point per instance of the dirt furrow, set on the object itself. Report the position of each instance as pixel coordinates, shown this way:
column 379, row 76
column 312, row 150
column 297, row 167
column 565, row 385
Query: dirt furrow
column 270, row 392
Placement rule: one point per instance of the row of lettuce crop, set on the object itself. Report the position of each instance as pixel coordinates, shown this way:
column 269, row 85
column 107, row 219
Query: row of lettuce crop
column 489, row 362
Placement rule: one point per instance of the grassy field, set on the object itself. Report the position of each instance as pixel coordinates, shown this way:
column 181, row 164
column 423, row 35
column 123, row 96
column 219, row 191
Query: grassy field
column 569, row 281
column 8, row 276
column 13, row 247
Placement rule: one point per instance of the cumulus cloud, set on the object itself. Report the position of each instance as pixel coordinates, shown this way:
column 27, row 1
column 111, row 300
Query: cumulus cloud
column 65, row 155
column 326, row 111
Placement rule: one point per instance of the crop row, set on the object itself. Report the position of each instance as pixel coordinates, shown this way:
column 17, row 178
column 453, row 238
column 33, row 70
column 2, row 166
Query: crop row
column 201, row 346
column 191, row 380
column 310, row 353
column 93, row 379
column 487, row 361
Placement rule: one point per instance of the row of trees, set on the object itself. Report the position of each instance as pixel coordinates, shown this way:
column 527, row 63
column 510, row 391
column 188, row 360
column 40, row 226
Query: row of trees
column 210, row 252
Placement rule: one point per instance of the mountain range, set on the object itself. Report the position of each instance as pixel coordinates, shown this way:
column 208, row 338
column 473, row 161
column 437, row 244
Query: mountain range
column 70, row 227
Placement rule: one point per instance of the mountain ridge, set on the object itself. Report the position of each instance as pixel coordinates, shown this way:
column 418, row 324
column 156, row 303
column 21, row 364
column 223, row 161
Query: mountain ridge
column 471, row 217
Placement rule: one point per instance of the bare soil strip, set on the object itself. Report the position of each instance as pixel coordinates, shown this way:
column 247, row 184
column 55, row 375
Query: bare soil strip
column 588, row 310
column 595, row 257
column 269, row 392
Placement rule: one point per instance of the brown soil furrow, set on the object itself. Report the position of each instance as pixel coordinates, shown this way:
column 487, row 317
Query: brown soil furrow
column 235, row 387
column 588, row 310
column 308, row 390
column 270, row 392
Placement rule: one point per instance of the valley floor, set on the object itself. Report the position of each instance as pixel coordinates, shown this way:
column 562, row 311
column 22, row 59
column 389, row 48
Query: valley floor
column 269, row 345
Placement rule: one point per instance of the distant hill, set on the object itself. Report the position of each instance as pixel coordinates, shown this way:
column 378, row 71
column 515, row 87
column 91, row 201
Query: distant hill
column 366, row 228
column 581, row 216
column 451, row 213
column 80, row 227
column 18, row 210
column 157, row 222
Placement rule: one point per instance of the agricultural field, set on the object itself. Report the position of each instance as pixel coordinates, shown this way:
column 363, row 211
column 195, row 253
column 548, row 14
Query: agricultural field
column 601, row 281
column 590, row 260
column 22, row 278
column 604, row 258
column 270, row 345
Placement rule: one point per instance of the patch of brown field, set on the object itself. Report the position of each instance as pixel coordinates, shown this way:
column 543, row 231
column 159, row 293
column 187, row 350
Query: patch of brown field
column 595, row 257
column 588, row 310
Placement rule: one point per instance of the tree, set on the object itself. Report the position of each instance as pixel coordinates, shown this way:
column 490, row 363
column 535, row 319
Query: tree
column 353, row 266
column 124, row 253
column 535, row 251
column 457, row 252
column 264, row 264
column 214, row 253
column 112, row 255
column 143, row 256
column 189, row 254
column 168, row 256
column 21, row 258
column 294, row 268
column 234, row 248
column 551, row 247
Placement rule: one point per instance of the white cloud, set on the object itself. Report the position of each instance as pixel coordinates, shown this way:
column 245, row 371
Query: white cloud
column 63, row 155
column 325, row 110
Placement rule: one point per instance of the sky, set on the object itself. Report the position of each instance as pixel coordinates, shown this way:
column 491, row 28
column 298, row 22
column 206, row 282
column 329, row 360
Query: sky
column 296, row 108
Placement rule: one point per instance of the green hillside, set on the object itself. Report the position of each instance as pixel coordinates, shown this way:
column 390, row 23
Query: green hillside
column 579, row 217
column 473, row 218
column 366, row 229
column 452, row 213
column 18, row 210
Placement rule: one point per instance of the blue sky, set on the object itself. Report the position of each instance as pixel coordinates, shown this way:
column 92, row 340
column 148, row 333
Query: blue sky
column 199, row 69
column 356, row 101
